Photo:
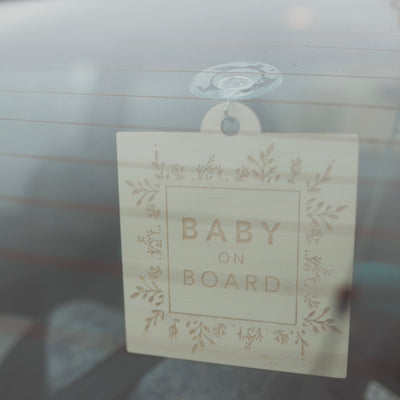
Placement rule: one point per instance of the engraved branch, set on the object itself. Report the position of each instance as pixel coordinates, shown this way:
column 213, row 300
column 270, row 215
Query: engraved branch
column 145, row 191
column 154, row 319
column 319, row 179
column 159, row 167
column 295, row 169
column 303, row 343
column 263, row 167
column 149, row 291
column 318, row 323
column 314, row 265
column 206, row 171
column 320, row 213
column 200, row 335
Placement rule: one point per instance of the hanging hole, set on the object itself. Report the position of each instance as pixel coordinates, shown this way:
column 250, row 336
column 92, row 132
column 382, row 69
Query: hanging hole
column 230, row 126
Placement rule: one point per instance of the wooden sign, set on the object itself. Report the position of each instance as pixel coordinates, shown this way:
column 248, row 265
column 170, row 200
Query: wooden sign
column 236, row 249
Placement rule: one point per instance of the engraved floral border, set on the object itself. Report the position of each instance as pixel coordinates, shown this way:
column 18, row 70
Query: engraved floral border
column 263, row 168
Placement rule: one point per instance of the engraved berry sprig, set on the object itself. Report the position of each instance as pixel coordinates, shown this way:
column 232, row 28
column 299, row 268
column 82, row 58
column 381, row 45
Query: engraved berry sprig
column 152, row 211
column 219, row 330
column 281, row 336
column 153, row 245
column 242, row 173
column 154, row 272
column 314, row 235
column 173, row 330
column 252, row 335
column 311, row 300
column 177, row 171
column 314, row 265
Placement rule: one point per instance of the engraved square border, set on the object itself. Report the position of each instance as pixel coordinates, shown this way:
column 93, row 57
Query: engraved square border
column 298, row 192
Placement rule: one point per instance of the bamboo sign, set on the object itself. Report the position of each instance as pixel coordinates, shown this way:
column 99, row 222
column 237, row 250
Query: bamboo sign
column 235, row 248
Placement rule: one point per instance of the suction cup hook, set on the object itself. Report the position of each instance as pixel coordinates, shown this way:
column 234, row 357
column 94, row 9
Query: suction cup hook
column 242, row 80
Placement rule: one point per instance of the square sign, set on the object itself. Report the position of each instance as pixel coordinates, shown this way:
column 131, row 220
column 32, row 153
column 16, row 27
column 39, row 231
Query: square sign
column 236, row 249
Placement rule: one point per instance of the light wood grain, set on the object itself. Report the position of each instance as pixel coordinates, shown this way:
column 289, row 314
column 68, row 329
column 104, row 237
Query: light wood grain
column 235, row 249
